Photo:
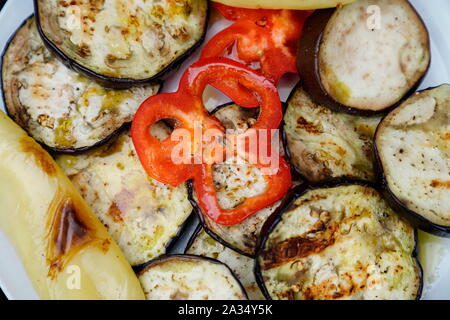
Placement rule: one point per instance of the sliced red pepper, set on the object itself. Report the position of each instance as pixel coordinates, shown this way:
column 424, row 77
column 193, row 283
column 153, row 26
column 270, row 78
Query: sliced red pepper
column 276, row 187
column 186, row 107
column 269, row 37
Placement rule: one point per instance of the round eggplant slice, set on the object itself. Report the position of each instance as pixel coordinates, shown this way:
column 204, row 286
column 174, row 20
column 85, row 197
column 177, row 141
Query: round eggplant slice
column 203, row 245
column 122, row 43
column 338, row 242
column 234, row 183
column 413, row 156
column 142, row 215
column 188, row 277
column 323, row 144
column 364, row 57
column 58, row 107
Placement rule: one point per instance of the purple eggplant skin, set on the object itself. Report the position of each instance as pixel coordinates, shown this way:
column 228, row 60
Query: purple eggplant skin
column 295, row 172
column 287, row 204
column 194, row 235
column 53, row 150
column 112, row 82
column 413, row 217
column 308, row 66
column 198, row 212
column 163, row 258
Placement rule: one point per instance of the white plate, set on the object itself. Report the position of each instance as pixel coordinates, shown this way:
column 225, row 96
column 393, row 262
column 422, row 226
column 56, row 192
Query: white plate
column 435, row 252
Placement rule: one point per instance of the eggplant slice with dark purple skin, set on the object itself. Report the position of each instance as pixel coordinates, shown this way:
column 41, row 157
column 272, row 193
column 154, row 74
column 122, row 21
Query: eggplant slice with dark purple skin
column 234, row 183
column 59, row 108
column 338, row 241
column 189, row 277
column 122, row 43
column 323, row 144
column 202, row 244
column 412, row 151
column 142, row 215
column 364, row 57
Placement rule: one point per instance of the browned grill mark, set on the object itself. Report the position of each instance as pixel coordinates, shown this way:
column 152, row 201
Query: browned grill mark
column 304, row 124
column 440, row 184
column 297, row 248
column 41, row 157
column 70, row 230
column 348, row 285
column 115, row 213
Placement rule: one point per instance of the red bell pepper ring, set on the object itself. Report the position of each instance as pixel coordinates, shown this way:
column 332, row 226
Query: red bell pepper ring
column 186, row 107
column 269, row 37
column 276, row 187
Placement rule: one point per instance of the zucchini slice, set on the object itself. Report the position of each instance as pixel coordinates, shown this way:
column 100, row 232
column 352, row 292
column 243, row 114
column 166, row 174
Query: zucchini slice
column 323, row 144
column 187, row 277
column 122, row 43
column 364, row 57
column 143, row 215
column 203, row 245
column 58, row 107
column 340, row 241
column 412, row 147
column 235, row 183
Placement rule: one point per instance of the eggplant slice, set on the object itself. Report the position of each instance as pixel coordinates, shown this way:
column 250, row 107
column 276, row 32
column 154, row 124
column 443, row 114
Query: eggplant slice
column 392, row 57
column 203, row 245
column 413, row 155
column 338, row 242
column 122, row 43
column 323, row 144
column 188, row 277
column 234, row 183
column 141, row 214
column 58, row 107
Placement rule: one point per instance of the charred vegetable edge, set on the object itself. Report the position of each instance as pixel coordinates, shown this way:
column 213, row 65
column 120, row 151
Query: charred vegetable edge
column 113, row 82
column 298, row 191
column 308, row 67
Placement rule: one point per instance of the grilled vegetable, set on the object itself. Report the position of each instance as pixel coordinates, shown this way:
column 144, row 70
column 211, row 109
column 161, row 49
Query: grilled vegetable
column 338, row 242
column 203, row 245
column 187, row 156
column 56, row 106
column 65, row 250
column 186, row 277
column 267, row 38
column 323, row 144
column 122, row 43
column 285, row 4
column 413, row 155
column 142, row 215
column 235, row 182
column 389, row 46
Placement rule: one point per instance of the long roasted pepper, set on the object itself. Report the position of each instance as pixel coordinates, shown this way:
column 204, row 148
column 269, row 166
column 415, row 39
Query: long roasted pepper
column 64, row 248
